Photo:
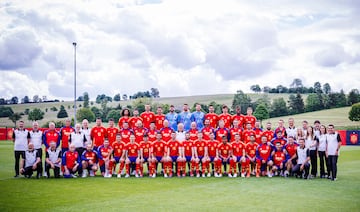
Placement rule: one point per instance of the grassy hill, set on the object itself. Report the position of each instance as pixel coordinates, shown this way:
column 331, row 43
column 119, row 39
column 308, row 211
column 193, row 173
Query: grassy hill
column 337, row 116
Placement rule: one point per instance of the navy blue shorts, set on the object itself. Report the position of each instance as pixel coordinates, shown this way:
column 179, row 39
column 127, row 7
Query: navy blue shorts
column 158, row 158
column 238, row 158
column 117, row 159
column 174, row 158
column 146, row 159
column 132, row 159
column 188, row 158
column 200, row 158
column 211, row 158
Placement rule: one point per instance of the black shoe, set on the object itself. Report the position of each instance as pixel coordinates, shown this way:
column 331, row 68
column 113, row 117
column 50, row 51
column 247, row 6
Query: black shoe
column 29, row 176
column 16, row 176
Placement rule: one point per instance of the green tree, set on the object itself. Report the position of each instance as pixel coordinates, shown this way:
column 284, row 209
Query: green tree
column 140, row 103
column 115, row 114
column 327, row 88
column 96, row 111
column 296, row 104
column 62, row 112
column 240, row 98
column 354, row 113
column 85, row 113
column 261, row 112
column 53, row 108
column 15, row 117
column 26, row 112
column 278, row 108
column 313, row 103
column 117, row 97
column 86, row 99
column 36, row 114
column 5, row 111
column 154, row 92
column 354, row 96
column 256, row 88
column 317, row 87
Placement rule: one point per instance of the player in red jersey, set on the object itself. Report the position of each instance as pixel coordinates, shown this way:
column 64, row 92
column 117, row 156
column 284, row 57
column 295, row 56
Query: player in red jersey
column 134, row 119
column 159, row 118
column 281, row 128
column 258, row 132
column 237, row 157
column 263, row 154
column 111, row 131
column 251, row 161
column 89, row 160
column 147, row 116
column 173, row 152
column 119, row 148
column 133, row 157
column 98, row 134
column 238, row 116
column 211, row 152
column 247, row 132
column 51, row 135
column 166, row 132
column 279, row 159
column 223, row 156
column 152, row 132
column 71, row 162
column 193, row 131
column 125, row 117
column 249, row 118
column 290, row 151
column 225, row 116
column 200, row 151
column 65, row 135
column 207, row 130
column 212, row 117
column 268, row 132
column 125, row 133
column 235, row 130
column 189, row 154
column 158, row 152
column 139, row 132
column 105, row 163
column 145, row 156
column 221, row 131
column 279, row 139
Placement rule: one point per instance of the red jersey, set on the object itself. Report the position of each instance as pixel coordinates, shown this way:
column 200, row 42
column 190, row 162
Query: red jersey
column 65, row 135
column 51, row 135
column 238, row 148
column 146, row 148
column 139, row 134
column 264, row 152
column 212, row 147
column 159, row 148
column 173, row 148
column 98, row 135
column 220, row 132
column 206, row 132
column 193, row 134
column 200, row 147
column 282, row 141
column 122, row 120
column 250, row 119
column 246, row 135
column 188, row 146
column 240, row 118
column 251, row 149
column 133, row 121
column 258, row 134
column 90, row 156
column 291, row 149
column 226, row 118
column 269, row 134
column 147, row 118
column 214, row 118
column 118, row 149
column 69, row 159
column 111, row 134
column 152, row 135
column 233, row 132
column 132, row 149
column 104, row 152
column 279, row 157
column 159, row 121
column 166, row 134
column 224, row 150
column 282, row 130
column 125, row 135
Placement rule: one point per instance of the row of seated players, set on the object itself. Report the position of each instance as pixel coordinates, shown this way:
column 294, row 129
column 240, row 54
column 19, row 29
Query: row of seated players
column 199, row 157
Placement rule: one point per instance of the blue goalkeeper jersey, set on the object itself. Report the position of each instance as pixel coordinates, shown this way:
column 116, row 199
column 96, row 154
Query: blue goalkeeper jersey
column 198, row 117
column 173, row 119
column 185, row 118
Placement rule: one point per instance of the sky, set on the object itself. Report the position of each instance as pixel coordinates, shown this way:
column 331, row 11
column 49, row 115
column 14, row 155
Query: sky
column 187, row 47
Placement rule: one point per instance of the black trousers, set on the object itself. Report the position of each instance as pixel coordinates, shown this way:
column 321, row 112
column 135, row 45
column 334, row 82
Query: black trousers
column 323, row 162
column 40, row 164
column 313, row 160
column 56, row 170
column 17, row 155
column 296, row 169
column 29, row 170
column 333, row 165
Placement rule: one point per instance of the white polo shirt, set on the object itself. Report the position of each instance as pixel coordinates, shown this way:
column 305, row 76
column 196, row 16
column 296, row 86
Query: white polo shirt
column 21, row 139
column 332, row 143
column 36, row 138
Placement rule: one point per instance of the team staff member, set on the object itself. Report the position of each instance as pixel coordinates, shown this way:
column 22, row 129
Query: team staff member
column 71, row 162
column 78, row 139
column 35, row 136
column 332, row 150
column 53, row 160
column 86, row 130
column 51, row 135
column 65, row 135
column 30, row 162
column 21, row 140
column 302, row 155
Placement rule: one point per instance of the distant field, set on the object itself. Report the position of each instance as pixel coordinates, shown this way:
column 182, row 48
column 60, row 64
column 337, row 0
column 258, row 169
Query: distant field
column 181, row 194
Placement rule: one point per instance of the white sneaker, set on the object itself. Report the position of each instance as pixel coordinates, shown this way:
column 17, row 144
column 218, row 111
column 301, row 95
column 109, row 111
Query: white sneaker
column 229, row 175
column 209, row 174
column 133, row 172
column 197, row 175
column 220, row 175
column 242, row 175
column 126, row 176
column 203, row 175
column 45, row 174
column 118, row 175
column 216, row 175
column 165, row 175
column 84, row 174
column 269, row 174
column 73, row 176
column 92, row 174
column 154, row 175
column 235, row 175
column 136, row 175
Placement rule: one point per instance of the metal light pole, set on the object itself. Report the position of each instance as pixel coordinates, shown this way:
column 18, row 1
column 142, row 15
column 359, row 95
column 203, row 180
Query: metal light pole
column 74, row 44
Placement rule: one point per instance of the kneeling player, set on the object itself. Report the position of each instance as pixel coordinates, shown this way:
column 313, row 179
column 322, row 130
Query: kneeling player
column 89, row 159
column 71, row 162
column 263, row 154
column 279, row 159
column 105, row 163
column 118, row 154
column 53, row 160
column 133, row 157
column 237, row 157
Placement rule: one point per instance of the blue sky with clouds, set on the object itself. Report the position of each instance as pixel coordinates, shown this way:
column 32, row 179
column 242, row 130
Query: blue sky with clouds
column 180, row 47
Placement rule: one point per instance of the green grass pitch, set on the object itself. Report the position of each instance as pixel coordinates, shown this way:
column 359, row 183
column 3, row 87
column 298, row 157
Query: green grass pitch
column 195, row 194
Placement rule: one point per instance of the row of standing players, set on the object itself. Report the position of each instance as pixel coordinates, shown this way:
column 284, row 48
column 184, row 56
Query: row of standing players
column 78, row 138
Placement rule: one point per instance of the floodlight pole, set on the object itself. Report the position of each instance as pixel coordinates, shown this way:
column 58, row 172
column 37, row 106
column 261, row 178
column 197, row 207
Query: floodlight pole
column 74, row 44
